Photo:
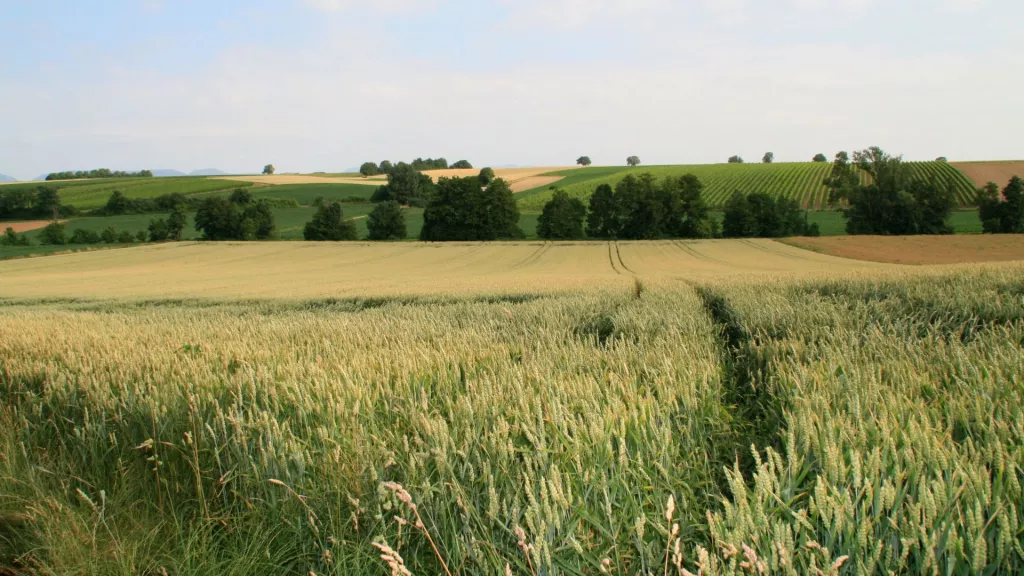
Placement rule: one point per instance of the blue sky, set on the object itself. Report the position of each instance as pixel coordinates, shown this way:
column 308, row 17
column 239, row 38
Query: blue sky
column 325, row 84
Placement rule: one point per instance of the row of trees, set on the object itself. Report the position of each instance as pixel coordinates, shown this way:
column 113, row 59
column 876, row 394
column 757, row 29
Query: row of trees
column 238, row 217
column 419, row 164
column 1002, row 213
column 17, row 202
column 55, row 234
column 641, row 208
column 98, row 173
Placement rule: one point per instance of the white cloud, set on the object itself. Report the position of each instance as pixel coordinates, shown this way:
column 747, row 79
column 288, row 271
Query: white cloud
column 345, row 98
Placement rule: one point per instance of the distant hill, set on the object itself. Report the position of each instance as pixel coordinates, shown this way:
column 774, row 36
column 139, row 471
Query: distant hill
column 207, row 172
column 6, row 178
column 166, row 173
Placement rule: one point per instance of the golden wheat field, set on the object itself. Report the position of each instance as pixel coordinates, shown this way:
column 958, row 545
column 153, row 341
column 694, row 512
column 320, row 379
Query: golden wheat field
column 726, row 407
column 310, row 270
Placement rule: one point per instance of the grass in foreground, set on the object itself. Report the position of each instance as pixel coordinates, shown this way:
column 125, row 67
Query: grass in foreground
column 853, row 426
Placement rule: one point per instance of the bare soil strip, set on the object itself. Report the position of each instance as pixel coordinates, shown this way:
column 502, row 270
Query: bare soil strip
column 26, row 226
column 982, row 173
column 918, row 249
column 510, row 175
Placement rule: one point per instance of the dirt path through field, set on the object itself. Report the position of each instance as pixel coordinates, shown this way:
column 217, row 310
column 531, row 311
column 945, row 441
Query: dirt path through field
column 918, row 249
column 26, row 226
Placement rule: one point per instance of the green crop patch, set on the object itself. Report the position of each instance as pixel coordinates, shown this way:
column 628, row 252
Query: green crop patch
column 802, row 181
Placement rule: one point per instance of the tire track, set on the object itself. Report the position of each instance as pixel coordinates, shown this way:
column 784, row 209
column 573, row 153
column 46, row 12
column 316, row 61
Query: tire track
column 682, row 246
column 781, row 253
column 612, row 260
column 618, row 254
column 535, row 256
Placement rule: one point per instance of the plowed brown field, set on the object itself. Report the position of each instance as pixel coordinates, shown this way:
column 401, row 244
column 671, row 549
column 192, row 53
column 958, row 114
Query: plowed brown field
column 26, row 226
column 918, row 249
column 982, row 173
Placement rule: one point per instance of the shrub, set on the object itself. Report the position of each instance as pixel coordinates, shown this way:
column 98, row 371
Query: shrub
column 159, row 231
column 486, row 176
column 125, row 237
column 12, row 238
column 109, row 235
column 83, row 236
column 53, row 234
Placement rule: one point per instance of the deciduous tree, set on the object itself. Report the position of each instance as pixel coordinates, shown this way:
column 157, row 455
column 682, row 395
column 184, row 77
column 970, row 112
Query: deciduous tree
column 368, row 169
column 562, row 218
column 603, row 213
column 329, row 224
column 386, row 222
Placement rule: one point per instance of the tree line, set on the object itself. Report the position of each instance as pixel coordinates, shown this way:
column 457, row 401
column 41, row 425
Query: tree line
column 98, row 173
column 642, row 208
column 17, row 202
column 419, row 164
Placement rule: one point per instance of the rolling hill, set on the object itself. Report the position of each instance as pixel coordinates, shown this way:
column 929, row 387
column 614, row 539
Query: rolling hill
column 799, row 180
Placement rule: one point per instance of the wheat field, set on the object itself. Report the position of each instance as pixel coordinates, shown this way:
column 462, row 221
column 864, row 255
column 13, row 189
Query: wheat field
column 353, row 270
column 527, row 408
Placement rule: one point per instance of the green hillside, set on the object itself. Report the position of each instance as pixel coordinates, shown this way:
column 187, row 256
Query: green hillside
column 799, row 180
column 89, row 194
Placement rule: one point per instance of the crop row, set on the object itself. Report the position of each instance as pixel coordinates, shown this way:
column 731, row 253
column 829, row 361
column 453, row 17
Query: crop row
column 802, row 181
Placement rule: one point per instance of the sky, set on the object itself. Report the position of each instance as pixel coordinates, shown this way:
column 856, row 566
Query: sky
column 323, row 85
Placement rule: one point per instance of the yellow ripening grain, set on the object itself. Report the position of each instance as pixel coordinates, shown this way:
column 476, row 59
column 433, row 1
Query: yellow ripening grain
column 324, row 270
column 510, row 175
